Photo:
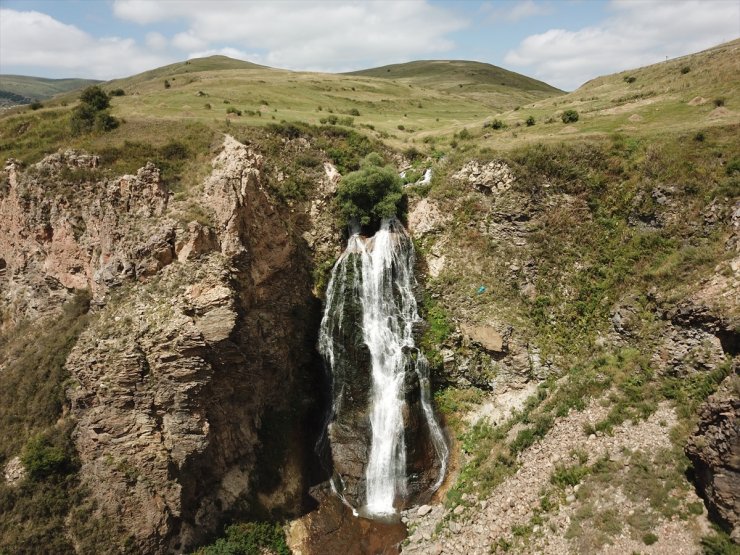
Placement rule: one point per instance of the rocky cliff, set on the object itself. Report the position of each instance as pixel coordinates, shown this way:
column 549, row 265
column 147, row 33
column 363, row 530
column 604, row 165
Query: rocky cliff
column 189, row 387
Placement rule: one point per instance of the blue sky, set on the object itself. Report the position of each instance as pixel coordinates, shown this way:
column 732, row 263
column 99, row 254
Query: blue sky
column 563, row 42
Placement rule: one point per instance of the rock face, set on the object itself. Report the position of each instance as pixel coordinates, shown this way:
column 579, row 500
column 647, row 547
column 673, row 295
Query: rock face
column 714, row 450
column 486, row 337
column 488, row 178
column 14, row 471
column 191, row 380
column 95, row 234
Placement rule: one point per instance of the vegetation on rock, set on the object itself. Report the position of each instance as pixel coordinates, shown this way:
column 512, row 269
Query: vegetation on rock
column 369, row 194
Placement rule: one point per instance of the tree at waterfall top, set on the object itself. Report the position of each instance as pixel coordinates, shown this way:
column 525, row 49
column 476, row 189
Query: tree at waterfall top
column 370, row 194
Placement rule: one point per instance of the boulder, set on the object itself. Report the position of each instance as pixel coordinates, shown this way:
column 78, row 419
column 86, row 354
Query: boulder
column 487, row 337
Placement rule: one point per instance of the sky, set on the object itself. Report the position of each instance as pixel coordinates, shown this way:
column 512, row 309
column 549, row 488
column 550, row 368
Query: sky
column 562, row 42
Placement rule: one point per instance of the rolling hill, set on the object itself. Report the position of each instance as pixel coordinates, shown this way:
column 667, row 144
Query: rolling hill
column 21, row 89
column 448, row 74
column 196, row 65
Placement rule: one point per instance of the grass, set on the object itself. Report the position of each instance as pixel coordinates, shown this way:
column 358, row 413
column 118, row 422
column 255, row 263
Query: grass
column 40, row 88
column 32, row 425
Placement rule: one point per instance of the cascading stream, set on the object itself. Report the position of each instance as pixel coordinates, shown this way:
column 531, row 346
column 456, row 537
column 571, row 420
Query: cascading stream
column 377, row 274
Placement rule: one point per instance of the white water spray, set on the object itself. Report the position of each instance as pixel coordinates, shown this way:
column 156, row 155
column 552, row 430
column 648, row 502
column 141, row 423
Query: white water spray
column 382, row 278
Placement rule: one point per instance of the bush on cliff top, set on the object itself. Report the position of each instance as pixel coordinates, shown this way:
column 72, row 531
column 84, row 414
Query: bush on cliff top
column 369, row 194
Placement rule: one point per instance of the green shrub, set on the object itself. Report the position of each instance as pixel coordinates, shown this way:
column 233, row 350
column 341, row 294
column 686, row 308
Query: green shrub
column 36, row 105
column 718, row 543
column 82, row 119
column 251, row 538
column 167, row 84
column 232, row 110
column 733, row 166
column 331, row 120
column 370, row 193
column 413, row 153
column 719, row 102
column 117, row 92
column 495, row 124
column 630, row 79
column 569, row 116
column 95, row 97
column 685, row 70
column 530, row 121
column 105, row 122
column 564, row 476
column 41, row 458
column 354, row 112
column 92, row 112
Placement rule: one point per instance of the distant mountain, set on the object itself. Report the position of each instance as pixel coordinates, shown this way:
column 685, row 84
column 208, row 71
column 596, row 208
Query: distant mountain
column 22, row 89
column 210, row 63
column 460, row 75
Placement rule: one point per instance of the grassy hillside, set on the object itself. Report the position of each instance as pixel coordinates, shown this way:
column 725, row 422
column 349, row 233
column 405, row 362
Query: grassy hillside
column 688, row 94
column 479, row 81
column 20, row 89
column 197, row 65
column 216, row 89
column 684, row 94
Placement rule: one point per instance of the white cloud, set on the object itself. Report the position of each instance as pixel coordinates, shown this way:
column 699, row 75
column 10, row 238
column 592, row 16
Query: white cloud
column 634, row 35
column 523, row 9
column 156, row 41
column 188, row 41
column 322, row 35
column 34, row 39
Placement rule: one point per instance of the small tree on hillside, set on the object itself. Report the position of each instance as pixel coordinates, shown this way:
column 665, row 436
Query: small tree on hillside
column 570, row 116
column 95, row 97
column 92, row 113
column 370, row 194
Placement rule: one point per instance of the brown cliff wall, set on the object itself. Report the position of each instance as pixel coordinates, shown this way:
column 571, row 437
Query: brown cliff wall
column 195, row 369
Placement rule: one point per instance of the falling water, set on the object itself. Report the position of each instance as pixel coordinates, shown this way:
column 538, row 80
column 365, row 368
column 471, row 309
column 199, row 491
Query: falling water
column 379, row 272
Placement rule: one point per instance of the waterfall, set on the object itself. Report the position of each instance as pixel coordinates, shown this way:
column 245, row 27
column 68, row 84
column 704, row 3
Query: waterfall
column 373, row 282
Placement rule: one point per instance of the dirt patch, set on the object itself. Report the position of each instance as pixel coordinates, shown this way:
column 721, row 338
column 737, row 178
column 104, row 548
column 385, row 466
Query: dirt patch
column 697, row 101
column 629, row 107
column 720, row 112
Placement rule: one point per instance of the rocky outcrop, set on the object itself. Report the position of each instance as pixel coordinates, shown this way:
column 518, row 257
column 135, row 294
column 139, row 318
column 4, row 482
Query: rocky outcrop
column 425, row 217
column 57, row 234
column 488, row 178
column 14, row 472
column 487, row 338
column 196, row 370
column 714, row 450
column 322, row 236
